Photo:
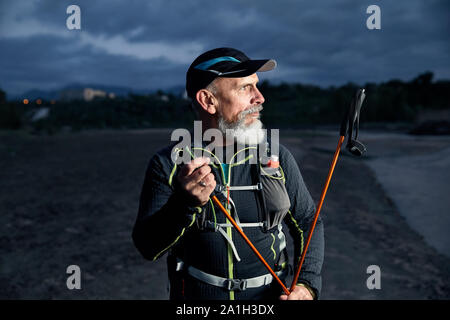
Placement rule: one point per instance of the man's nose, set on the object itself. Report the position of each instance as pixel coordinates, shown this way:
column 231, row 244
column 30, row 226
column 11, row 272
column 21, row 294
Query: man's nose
column 258, row 98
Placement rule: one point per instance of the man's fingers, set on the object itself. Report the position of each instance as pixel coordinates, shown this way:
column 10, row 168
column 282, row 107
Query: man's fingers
column 201, row 173
column 197, row 180
column 209, row 185
column 299, row 293
column 208, row 179
column 189, row 168
column 193, row 181
column 293, row 296
column 203, row 193
column 210, row 182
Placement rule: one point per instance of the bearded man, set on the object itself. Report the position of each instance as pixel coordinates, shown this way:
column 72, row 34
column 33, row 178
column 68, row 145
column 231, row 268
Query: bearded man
column 207, row 258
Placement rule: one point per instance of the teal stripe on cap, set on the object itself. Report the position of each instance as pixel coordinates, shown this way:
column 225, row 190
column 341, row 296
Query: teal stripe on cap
column 205, row 65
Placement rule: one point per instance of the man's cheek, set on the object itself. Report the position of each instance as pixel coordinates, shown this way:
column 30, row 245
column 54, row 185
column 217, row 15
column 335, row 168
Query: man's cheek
column 236, row 117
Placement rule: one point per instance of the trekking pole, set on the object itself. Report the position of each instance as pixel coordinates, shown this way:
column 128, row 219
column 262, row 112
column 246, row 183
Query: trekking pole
column 217, row 202
column 354, row 146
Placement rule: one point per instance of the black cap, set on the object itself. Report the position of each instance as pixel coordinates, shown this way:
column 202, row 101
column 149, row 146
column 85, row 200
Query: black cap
column 222, row 62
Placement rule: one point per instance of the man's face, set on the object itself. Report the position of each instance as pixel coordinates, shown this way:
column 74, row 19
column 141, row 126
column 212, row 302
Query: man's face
column 237, row 95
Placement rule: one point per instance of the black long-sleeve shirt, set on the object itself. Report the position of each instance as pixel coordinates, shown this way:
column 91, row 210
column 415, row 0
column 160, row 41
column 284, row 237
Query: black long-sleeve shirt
column 165, row 223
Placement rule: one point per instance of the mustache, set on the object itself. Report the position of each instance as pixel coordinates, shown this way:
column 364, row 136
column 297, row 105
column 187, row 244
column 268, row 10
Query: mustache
column 251, row 110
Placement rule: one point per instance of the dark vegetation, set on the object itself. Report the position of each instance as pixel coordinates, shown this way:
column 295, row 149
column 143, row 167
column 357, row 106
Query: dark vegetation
column 287, row 105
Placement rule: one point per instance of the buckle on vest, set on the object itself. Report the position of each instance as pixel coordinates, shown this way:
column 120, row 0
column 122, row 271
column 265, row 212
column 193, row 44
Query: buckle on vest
column 219, row 188
column 236, row 284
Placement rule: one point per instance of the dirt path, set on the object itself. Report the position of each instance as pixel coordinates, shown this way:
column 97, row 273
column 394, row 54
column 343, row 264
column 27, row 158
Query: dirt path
column 72, row 199
column 363, row 227
column 419, row 183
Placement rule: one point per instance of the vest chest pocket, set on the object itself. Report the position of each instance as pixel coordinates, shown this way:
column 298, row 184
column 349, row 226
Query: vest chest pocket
column 275, row 195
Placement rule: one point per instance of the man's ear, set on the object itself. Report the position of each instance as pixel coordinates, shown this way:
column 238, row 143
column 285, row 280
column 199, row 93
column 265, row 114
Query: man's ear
column 207, row 101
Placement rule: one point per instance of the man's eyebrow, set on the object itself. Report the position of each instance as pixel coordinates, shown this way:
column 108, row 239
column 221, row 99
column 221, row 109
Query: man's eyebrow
column 243, row 84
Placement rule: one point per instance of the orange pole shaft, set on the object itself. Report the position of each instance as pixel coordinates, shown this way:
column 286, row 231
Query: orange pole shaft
column 319, row 207
column 217, row 202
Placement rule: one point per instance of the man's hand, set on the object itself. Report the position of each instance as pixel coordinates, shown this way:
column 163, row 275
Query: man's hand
column 299, row 293
column 196, row 179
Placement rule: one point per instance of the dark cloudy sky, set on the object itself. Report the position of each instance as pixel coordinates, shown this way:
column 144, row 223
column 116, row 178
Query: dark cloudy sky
column 149, row 44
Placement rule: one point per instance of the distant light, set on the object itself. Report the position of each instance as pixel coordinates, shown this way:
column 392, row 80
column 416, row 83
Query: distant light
column 38, row 101
column 25, row 101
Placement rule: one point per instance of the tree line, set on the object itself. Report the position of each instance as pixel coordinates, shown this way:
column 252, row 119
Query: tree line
column 287, row 105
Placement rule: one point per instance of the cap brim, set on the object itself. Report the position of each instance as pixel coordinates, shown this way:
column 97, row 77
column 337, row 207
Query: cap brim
column 268, row 65
column 250, row 67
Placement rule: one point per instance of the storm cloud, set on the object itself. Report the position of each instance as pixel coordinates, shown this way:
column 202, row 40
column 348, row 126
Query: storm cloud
column 150, row 44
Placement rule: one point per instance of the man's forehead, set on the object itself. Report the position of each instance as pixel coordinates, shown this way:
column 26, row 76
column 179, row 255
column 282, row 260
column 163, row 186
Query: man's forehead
column 238, row 81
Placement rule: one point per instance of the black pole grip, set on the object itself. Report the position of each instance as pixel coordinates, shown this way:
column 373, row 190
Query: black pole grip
column 352, row 112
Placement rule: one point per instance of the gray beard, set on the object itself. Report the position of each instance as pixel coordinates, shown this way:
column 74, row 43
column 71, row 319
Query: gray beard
column 241, row 133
